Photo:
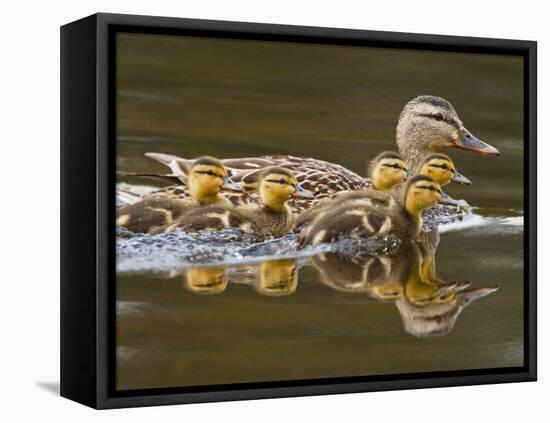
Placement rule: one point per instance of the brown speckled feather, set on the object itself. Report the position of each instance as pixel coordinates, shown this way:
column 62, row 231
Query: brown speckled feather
column 323, row 179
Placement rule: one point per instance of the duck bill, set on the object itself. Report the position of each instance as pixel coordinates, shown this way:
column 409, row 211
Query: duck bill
column 470, row 295
column 471, row 143
column 447, row 200
column 303, row 194
column 230, row 185
column 459, row 178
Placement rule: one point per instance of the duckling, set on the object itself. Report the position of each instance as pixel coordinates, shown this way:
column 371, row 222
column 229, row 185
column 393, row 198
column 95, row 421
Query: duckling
column 441, row 169
column 206, row 179
column 427, row 124
column 363, row 219
column 148, row 214
column 272, row 218
column 386, row 170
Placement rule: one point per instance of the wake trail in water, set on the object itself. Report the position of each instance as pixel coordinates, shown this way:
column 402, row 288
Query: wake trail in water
column 509, row 224
column 177, row 250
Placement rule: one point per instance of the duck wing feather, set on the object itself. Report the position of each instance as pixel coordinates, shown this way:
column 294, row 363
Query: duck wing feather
column 323, row 179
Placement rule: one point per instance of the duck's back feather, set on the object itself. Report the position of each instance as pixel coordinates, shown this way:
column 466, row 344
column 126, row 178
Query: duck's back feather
column 323, row 179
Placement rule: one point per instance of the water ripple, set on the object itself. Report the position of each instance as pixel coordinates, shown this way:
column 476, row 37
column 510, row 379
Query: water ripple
column 177, row 250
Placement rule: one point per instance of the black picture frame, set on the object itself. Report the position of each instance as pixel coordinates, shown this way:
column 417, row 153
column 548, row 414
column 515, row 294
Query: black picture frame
column 87, row 210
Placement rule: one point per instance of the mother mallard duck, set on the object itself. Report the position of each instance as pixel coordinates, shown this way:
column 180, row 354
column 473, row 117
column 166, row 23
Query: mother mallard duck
column 427, row 124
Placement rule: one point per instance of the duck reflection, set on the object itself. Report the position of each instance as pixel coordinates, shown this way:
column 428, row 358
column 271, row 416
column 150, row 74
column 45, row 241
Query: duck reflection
column 428, row 305
column 360, row 273
column 205, row 280
column 274, row 278
column 427, row 310
column 277, row 277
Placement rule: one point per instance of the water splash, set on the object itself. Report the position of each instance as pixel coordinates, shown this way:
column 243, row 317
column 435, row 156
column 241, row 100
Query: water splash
column 176, row 250
column 509, row 224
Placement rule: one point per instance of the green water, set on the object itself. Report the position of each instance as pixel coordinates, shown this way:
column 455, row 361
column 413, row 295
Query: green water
column 196, row 96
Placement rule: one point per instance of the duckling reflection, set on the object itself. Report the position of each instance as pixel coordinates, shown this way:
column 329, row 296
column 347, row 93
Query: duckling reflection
column 380, row 276
column 205, row 280
column 277, row 278
column 436, row 310
column 428, row 306
column 356, row 273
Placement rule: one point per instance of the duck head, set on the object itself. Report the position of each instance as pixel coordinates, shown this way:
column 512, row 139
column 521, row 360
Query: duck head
column 207, row 177
column 421, row 192
column 277, row 186
column 428, row 124
column 441, row 169
column 386, row 170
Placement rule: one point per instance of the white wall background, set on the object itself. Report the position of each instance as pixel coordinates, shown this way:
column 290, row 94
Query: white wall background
column 29, row 212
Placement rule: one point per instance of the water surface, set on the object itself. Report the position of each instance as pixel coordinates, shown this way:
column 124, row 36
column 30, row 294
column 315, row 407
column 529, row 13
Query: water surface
column 224, row 310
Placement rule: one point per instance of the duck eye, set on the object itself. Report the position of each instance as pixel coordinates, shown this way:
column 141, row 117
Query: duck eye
column 438, row 116
column 440, row 166
column 278, row 181
column 396, row 166
column 209, row 172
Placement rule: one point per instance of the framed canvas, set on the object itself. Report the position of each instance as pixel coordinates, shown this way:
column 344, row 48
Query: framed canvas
column 257, row 211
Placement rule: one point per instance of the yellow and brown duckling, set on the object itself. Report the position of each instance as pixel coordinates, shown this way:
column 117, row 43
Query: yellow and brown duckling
column 272, row 218
column 363, row 219
column 385, row 171
column 440, row 167
column 427, row 124
column 206, row 179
